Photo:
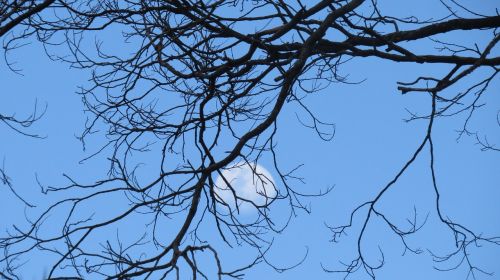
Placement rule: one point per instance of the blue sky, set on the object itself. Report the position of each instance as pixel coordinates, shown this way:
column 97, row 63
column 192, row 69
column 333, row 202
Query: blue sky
column 372, row 142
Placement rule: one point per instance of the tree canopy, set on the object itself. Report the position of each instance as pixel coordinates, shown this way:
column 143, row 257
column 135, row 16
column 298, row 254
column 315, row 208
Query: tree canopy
column 184, row 97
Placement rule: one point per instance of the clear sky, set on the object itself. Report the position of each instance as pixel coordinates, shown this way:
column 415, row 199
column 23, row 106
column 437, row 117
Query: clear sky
column 372, row 142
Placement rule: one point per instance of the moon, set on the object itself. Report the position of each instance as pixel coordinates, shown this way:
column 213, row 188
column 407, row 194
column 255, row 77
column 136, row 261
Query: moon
column 250, row 185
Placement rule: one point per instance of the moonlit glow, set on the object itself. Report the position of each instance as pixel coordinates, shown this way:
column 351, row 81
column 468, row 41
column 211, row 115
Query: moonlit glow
column 251, row 183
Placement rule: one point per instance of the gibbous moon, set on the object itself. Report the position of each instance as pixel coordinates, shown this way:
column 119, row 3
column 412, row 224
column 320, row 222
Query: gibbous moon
column 250, row 182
